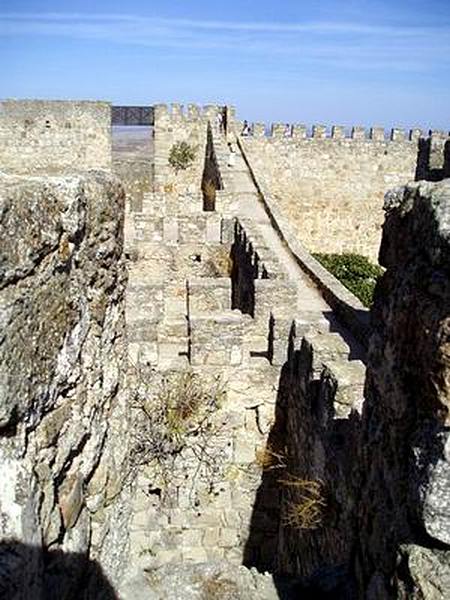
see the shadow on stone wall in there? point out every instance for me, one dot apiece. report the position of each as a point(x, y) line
point(244, 271)
point(433, 160)
point(304, 402)
point(33, 573)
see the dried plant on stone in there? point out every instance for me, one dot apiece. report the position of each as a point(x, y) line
point(269, 459)
point(209, 194)
point(306, 508)
point(174, 417)
point(220, 263)
point(218, 588)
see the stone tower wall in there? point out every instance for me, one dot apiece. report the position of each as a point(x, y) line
point(54, 137)
point(176, 124)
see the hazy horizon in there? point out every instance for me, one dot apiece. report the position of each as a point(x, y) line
point(370, 62)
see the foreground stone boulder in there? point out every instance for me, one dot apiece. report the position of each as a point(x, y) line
point(405, 448)
point(62, 357)
point(212, 581)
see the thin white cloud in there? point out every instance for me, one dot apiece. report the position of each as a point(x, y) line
point(250, 26)
point(352, 45)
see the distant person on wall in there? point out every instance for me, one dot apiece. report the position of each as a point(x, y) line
point(220, 121)
point(231, 156)
point(224, 119)
point(287, 130)
point(245, 129)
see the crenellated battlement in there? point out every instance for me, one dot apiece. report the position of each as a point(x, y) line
point(298, 131)
point(192, 112)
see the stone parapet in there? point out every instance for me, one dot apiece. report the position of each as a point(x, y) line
point(208, 296)
point(54, 137)
point(217, 340)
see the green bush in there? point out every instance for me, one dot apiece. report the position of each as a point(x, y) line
point(354, 271)
point(181, 156)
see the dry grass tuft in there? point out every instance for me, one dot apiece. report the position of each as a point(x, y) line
point(209, 195)
point(306, 510)
point(216, 588)
point(220, 264)
point(268, 459)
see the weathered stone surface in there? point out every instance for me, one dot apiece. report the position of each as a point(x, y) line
point(430, 475)
point(62, 357)
point(425, 573)
point(324, 185)
point(50, 138)
point(404, 448)
point(209, 580)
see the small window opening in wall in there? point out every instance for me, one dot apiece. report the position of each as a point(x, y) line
point(47, 124)
point(68, 125)
point(196, 258)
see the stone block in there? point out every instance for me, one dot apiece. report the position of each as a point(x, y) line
point(213, 229)
point(271, 294)
point(148, 229)
point(338, 132)
point(377, 134)
point(358, 133)
point(144, 301)
point(192, 229)
point(192, 538)
point(228, 537)
point(175, 301)
point(217, 340)
point(170, 230)
point(209, 295)
point(258, 129)
point(211, 537)
point(194, 555)
point(299, 131)
point(319, 132)
point(244, 449)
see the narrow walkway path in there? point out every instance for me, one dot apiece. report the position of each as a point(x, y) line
point(310, 301)
point(250, 206)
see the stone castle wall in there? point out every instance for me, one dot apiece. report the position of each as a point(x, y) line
point(403, 515)
point(53, 137)
point(370, 449)
point(175, 124)
point(212, 295)
point(63, 414)
point(331, 188)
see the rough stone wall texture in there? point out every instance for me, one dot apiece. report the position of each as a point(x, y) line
point(173, 125)
point(54, 137)
point(332, 189)
point(62, 355)
point(202, 511)
point(434, 157)
point(405, 439)
point(310, 457)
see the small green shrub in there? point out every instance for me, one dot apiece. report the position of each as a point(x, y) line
point(354, 271)
point(181, 156)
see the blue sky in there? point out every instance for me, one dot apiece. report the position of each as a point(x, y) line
point(370, 62)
